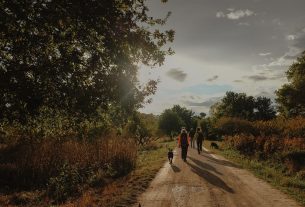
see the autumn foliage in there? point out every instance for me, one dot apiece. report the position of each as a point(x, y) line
point(279, 127)
point(65, 167)
point(280, 140)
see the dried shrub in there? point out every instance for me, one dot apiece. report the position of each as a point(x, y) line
point(232, 126)
point(293, 127)
point(295, 161)
point(64, 165)
point(292, 150)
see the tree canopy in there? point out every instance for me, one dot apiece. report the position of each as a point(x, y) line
point(185, 115)
point(171, 120)
point(291, 96)
point(76, 55)
point(242, 106)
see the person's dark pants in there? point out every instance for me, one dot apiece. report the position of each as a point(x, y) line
point(199, 146)
point(192, 142)
point(184, 152)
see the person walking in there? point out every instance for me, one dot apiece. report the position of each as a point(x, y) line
point(191, 135)
point(199, 139)
point(183, 143)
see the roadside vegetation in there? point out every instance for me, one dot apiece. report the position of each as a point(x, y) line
point(70, 95)
point(38, 170)
point(124, 191)
point(274, 150)
point(271, 145)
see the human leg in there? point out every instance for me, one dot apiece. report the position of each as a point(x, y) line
point(200, 146)
point(184, 153)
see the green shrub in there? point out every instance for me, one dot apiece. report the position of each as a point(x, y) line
point(119, 166)
point(294, 161)
point(232, 126)
point(96, 178)
point(301, 175)
point(64, 185)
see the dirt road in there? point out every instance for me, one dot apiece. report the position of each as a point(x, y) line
point(210, 180)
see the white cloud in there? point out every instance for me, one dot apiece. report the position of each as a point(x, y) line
point(264, 54)
point(240, 14)
point(235, 14)
point(290, 37)
point(286, 59)
point(220, 14)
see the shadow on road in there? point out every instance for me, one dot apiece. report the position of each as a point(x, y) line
point(210, 177)
point(175, 168)
point(220, 162)
point(205, 165)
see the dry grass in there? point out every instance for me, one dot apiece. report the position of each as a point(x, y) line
point(63, 168)
point(99, 167)
point(280, 127)
point(124, 191)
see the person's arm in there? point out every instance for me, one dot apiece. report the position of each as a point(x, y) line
point(179, 141)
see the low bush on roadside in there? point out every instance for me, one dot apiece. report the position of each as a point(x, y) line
point(291, 151)
point(293, 127)
point(232, 126)
point(279, 127)
point(295, 161)
point(63, 166)
point(65, 184)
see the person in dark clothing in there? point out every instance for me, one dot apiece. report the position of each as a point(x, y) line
point(199, 139)
point(183, 142)
point(170, 155)
point(191, 135)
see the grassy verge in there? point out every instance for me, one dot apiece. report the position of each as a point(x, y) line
point(124, 191)
point(275, 174)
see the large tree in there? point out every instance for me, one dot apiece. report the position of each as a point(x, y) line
point(236, 105)
point(186, 115)
point(242, 106)
point(170, 122)
point(264, 109)
point(76, 55)
point(291, 96)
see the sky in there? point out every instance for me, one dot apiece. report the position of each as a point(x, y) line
point(225, 45)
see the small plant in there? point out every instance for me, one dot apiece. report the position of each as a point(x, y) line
point(295, 161)
point(65, 185)
point(301, 175)
point(96, 178)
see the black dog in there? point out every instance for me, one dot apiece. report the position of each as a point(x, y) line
point(214, 145)
point(170, 155)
